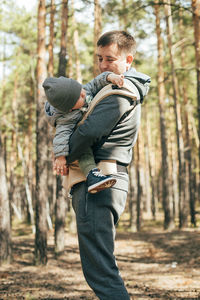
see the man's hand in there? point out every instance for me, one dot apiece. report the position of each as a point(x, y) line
point(60, 166)
point(116, 79)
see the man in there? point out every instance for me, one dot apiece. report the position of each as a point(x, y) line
point(112, 133)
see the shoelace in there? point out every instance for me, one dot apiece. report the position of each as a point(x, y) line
point(98, 174)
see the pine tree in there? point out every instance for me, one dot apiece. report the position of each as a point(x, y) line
point(5, 228)
point(41, 145)
point(167, 206)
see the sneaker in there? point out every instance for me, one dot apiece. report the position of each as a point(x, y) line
point(97, 181)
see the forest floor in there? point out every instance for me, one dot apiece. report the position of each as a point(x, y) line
point(154, 265)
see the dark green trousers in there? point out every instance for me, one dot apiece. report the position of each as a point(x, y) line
point(96, 216)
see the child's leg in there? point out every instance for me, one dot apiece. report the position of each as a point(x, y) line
point(87, 162)
point(96, 181)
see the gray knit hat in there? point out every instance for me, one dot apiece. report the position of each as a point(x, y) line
point(62, 93)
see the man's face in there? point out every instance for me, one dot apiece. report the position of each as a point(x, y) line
point(110, 58)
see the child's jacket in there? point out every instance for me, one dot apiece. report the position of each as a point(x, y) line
point(66, 123)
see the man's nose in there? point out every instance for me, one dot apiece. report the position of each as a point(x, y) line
point(104, 65)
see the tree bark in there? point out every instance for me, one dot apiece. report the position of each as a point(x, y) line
point(60, 213)
point(132, 197)
point(41, 145)
point(60, 210)
point(75, 44)
point(5, 228)
point(97, 32)
point(124, 16)
point(14, 154)
point(148, 166)
point(196, 21)
point(139, 187)
point(63, 42)
point(51, 178)
point(51, 39)
point(190, 196)
point(28, 144)
point(183, 205)
point(27, 188)
point(168, 212)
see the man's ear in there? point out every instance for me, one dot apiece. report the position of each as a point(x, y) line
point(129, 59)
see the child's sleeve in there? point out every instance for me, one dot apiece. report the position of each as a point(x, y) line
point(95, 85)
point(61, 139)
point(65, 126)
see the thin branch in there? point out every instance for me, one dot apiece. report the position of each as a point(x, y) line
point(152, 3)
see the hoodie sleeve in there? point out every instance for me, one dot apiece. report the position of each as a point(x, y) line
point(95, 85)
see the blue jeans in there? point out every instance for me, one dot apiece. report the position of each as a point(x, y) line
point(96, 217)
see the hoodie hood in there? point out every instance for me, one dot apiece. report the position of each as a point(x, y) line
point(140, 80)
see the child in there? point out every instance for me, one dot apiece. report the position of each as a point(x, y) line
point(68, 102)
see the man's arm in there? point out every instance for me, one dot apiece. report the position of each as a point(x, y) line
point(99, 123)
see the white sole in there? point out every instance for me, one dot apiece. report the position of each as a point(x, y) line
point(100, 186)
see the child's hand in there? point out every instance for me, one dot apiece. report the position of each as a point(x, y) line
point(116, 79)
point(60, 166)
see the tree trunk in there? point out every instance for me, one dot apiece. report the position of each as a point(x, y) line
point(51, 178)
point(124, 16)
point(51, 39)
point(188, 153)
point(183, 205)
point(50, 175)
point(5, 230)
point(13, 154)
point(174, 176)
point(28, 144)
point(63, 42)
point(41, 145)
point(151, 167)
point(70, 71)
point(97, 32)
point(148, 167)
point(60, 213)
point(75, 44)
point(168, 212)
point(132, 197)
point(196, 21)
point(60, 199)
point(27, 188)
point(139, 187)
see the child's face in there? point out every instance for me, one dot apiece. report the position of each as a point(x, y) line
point(81, 100)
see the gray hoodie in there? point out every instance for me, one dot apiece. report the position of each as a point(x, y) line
point(107, 130)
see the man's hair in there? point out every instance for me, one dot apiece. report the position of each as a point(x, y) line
point(123, 39)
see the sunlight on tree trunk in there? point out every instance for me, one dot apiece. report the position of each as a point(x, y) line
point(97, 32)
point(63, 43)
point(76, 44)
point(190, 196)
point(139, 187)
point(196, 21)
point(132, 196)
point(60, 207)
point(183, 205)
point(5, 230)
point(167, 206)
point(41, 144)
point(51, 39)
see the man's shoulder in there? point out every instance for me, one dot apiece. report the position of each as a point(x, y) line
point(141, 77)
